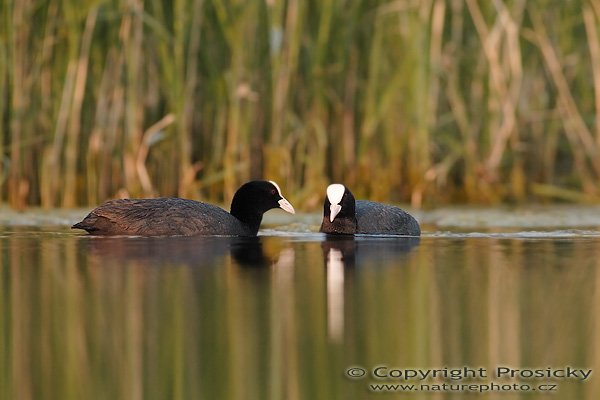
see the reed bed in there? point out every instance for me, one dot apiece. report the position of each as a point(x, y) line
point(426, 102)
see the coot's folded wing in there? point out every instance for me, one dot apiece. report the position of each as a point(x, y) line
point(378, 218)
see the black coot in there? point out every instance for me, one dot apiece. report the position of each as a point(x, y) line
point(175, 216)
point(342, 214)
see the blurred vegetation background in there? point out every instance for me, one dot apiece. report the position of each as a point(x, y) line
point(424, 101)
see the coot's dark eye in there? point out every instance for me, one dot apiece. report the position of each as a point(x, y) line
point(273, 192)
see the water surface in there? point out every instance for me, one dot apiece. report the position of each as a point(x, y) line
point(291, 314)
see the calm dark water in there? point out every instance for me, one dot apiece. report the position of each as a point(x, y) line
point(290, 316)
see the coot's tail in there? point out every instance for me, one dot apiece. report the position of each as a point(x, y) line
point(79, 225)
point(84, 226)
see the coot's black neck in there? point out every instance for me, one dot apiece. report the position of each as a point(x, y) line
point(247, 214)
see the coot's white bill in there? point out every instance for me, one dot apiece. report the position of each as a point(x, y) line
point(286, 206)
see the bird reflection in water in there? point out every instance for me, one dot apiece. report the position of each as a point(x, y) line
point(192, 251)
point(342, 253)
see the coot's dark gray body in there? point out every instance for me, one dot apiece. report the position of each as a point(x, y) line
point(171, 216)
point(343, 215)
point(377, 218)
point(166, 216)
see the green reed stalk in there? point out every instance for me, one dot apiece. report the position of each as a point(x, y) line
point(192, 53)
point(133, 36)
point(590, 12)
point(4, 88)
point(72, 146)
point(18, 40)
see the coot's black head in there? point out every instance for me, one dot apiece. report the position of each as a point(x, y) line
point(339, 211)
point(254, 198)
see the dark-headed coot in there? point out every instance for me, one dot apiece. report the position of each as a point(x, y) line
point(342, 214)
point(174, 216)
